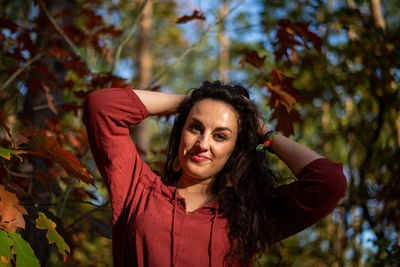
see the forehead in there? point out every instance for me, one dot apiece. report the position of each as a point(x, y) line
point(214, 112)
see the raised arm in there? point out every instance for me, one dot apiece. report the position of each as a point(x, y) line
point(320, 185)
point(295, 155)
point(158, 103)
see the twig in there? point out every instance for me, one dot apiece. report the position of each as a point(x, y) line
point(65, 197)
point(21, 69)
point(86, 214)
point(189, 49)
point(58, 27)
point(128, 36)
point(18, 174)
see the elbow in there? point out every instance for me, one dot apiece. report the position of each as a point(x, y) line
point(92, 106)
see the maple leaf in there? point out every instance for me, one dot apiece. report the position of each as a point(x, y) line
point(47, 147)
point(195, 15)
point(278, 96)
point(283, 96)
point(285, 119)
point(50, 98)
point(289, 36)
point(252, 58)
point(52, 235)
point(11, 211)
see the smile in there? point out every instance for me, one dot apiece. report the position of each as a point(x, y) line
point(198, 157)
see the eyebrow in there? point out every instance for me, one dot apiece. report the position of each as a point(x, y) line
point(216, 129)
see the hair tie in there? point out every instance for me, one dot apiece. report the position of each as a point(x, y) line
point(267, 143)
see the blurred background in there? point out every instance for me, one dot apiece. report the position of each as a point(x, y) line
point(324, 72)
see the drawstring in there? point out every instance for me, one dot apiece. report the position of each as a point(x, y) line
point(173, 231)
point(211, 236)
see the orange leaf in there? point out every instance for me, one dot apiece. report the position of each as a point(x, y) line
point(50, 98)
point(11, 211)
point(279, 96)
point(47, 147)
point(252, 58)
point(196, 15)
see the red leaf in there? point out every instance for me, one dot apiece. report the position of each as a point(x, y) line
point(252, 58)
point(50, 98)
point(285, 119)
point(21, 139)
point(110, 30)
point(195, 15)
point(289, 37)
point(58, 52)
point(47, 147)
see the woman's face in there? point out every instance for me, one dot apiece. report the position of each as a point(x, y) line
point(208, 139)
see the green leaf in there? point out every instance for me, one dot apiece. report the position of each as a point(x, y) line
point(23, 251)
point(52, 235)
point(6, 153)
point(5, 249)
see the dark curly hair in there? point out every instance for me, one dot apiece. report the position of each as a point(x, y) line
point(244, 187)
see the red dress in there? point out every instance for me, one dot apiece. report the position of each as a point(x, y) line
point(150, 225)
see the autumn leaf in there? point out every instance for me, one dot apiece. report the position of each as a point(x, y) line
point(52, 235)
point(196, 15)
point(23, 251)
point(278, 96)
point(252, 58)
point(6, 153)
point(285, 119)
point(292, 35)
point(50, 98)
point(47, 147)
point(44, 177)
point(11, 211)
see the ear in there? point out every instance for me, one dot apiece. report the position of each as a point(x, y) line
point(176, 165)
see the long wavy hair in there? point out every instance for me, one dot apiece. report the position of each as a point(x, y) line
point(244, 187)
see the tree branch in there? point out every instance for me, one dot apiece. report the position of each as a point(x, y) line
point(18, 174)
point(189, 49)
point(58, 27)
point(128, 36)
point(21, 69)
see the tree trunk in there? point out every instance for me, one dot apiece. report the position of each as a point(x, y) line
point(376, 10)
point(142, 137)
point(223, 40)
point(37, 97)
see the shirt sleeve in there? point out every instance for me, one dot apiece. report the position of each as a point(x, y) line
point(107, 115)
point(320, 186)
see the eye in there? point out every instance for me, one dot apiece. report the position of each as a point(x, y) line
point(220, 137)
point(194, 128)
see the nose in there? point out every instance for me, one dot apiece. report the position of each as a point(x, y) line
point(202, 142)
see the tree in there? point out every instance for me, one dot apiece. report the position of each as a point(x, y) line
point(326, 72)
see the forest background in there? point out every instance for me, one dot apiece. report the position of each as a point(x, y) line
point(324, 72)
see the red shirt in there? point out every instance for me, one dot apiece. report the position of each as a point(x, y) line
point(150, 224)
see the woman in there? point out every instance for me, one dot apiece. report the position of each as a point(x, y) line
point(215, 204)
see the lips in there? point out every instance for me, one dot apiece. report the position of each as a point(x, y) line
point(198, 157)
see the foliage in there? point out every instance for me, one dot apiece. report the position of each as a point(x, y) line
point(324, 73)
